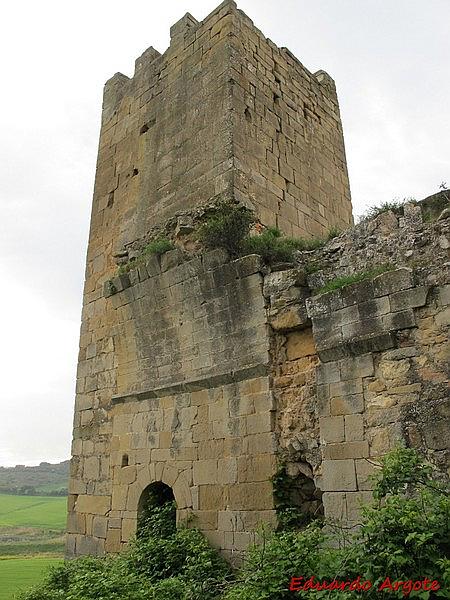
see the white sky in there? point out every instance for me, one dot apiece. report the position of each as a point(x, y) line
point(389, 58)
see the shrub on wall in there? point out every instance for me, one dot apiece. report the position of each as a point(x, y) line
point(273, 247)
point(227, 227)
point(157, 247)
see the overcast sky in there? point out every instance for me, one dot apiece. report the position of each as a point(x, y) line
point(390, 60)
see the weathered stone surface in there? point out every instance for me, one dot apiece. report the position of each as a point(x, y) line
point(412, 298)
point(335, 505)
point(354, 428)
point(171, 259)
point(332, 429)
point(355, 502)
point(338, 475)
point(205, 372)
point(289, 318)
point(100, 527)
point(300, 344)
point(365, 470)
point(346, 450)
point(97, 505)
point(392, 281)
point(347, 405)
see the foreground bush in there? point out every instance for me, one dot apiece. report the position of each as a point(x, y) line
point(404, 535)
point(163, 563)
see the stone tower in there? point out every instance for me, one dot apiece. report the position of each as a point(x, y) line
point(175, 380)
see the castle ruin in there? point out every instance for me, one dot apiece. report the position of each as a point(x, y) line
point(209, 376)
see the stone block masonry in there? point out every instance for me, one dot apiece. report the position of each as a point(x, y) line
point(173, 380)
point(223, 113)
point(375, 358)
point(192, 408)
point(211, 375)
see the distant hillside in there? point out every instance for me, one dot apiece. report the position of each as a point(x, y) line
point(45, 479)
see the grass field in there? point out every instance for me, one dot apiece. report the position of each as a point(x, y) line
point(20, 573)
point(29, 526)
point(33, 511)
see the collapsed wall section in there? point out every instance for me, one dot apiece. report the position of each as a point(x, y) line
point(364, 368)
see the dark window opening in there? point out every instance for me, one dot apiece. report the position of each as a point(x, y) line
point(125, 460)
point(298, 500)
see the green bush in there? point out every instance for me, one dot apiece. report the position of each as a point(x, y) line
point(158, 246)
point(162, 563)
point(271, 564)
point(404, 535)
point(157, 520)
point(434, 205)
point(273, 247)
point(226, 227)
point(406, 531)
point(395, 206)
point(290, 516)
point(333, 232)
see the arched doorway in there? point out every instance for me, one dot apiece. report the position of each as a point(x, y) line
point(156, 509)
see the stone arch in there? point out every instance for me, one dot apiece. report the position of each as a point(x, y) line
point(164, 473)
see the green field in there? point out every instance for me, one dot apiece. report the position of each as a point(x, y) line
point(19, 573)
point(31, 538)
point(33, 511)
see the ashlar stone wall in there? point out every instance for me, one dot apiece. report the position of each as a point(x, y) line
point(192, 405)
point(288, 142)
point(173, 367)
point(223, 113)
point(210, 374)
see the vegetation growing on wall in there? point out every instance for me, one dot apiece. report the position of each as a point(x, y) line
point(404, 535)
point(341, 282)
point(292, 507)
point(395, 206)
point(273, 247)
point(433, 206)
point(228, 227)
point(156, 247)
